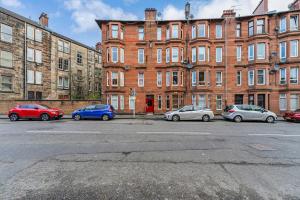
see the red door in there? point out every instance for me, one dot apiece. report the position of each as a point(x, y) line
point(150, 104)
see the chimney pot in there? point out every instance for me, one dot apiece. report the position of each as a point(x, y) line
point(44, 19)
point(150, 14)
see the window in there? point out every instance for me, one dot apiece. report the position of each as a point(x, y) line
point(194, 54)
point(201, 30)
point(60, 83)
point(122, 33)
point(251, 77)
point(114, 78)
point(238, 30)
point(174, 31)
point(239, 53)
point(261, 77)
point(132, 102)
point(219, 105)
point(193, 32)
point(30, 32)
point(122, 79)
point(282, 76)
point(282, 51)
point(282, 102)
point(159, 102)
point(38, 56)
point(60, 63)
point(66, 83)
point(114, 31)
point(181, 55)
point(251, 52)
point(294, 23)
point(38, 35)
point(168, 33)
point(175, 78)
point(167, 55)
point(201, 78)
point(30, 76)
point(122, 102)
point(5, 83)
point(219, 78)
point(159, 79)
point(107, 78)
point(114, 54)
point(251, 28)
point(218, 31)
point(202, 101)
point(175, 104)
point(168, 102)
point(168, 79)
point(38, 78)
point(60, 46)
point(194, 78)
point(175, 55)
point(208, 54)
point(294, 102)
point(141, 33)
point(66, 47)
point(107, 55)
point(159, 55)
point(282, 26)
point(294, 75)
point(158, 33)
point(201, 53)
point(115, 101)
point(260, 26)
point(6, 59)
point(261, 51)
point(30, 55)
point(141, 79)
point(66, 65)
point(219, 54)
point(194, 102)
point(141, 56)
point(6, 33)
point(239, 78)
point(181, 78)
point(122, 55)
point(294, 48)
point(79, 58)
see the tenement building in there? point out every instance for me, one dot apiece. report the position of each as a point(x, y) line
point(38, 63)
point(155, 65)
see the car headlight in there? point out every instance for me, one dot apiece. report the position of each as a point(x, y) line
point(53, 112)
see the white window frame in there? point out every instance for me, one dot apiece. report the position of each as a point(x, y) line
point(175, 32)
point(239, 78)
point(122, 56)
point(282, 76)
point(159, 102)
point(282, 26)
point(158, 33)
point(38, 35)
point(251, 77)
point(114, 52)
point(173, 72)
point(194, 54)
point(167, 55)
point(30, 54)
point(38, 78)
point(141, 32)
point(114, 101)
point(115, 32)
point(294, 98)
point(294, 52)
point(201, 50)
point(296, 80)
point(114, 76)
point(281, 46)
point(219, 100)
point(261, 55)
point(239, 53)
point(219, 58)
point(168, 79)
point(220, 81)
point(131, 100)
point(122, 79)
point(194, 31)
point(159, 55)
point(194, 78)
point(282, 105)
point(292, 28)
point(159, 79)
point(251, 52)
point(175, 54)
point(141, 56)
point(30, 76)
point(219, 31)
point(263, 75)
point(6, 59)
point(6, 36)
point(141, 81)
point(122, 102)
point(38, 56)
point(30, 32)
point(201, 30)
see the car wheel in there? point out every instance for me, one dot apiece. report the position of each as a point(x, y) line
point(270, 119)
point(175, 118)
point(13, 117)
point(206, 118)
point(237, 119)
point(45, 117)
point(77, 117)
point(105, 117)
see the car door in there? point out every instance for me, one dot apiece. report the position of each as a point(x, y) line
point(197, 113)
point(186, 113)
point(98, 111)
point(29, 111)
point(88, 112)
point(257, 113)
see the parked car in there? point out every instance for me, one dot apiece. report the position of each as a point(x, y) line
point(99, 111)
point(34, 111)
point(240, 113)
point(292, 116)
point(190, 112)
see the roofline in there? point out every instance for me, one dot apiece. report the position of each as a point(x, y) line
point(34, 23)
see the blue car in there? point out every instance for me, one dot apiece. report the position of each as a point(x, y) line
point(99, 111)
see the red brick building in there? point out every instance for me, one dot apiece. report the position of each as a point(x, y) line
point(207, 62)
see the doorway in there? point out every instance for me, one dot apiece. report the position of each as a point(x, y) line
point(150, 104)
point(261, 100)
point(239, 99)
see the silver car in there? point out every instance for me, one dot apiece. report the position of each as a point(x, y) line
point(190, 112)
point(240, 113)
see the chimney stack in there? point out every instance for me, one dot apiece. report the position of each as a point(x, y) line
point(150, 14)
point(99, 46)
point(228, 13)
point(44, 19)
point(295, 5)
point(262, 8)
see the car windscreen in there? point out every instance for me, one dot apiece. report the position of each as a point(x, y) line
point(228, 108)
point(42, 107)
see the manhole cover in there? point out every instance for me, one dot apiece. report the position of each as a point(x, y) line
point(262, 147)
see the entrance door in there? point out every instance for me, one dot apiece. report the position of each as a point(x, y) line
point(261, 100)
point(150, 104)
point(239, 99)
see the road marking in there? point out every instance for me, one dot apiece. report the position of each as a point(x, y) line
point(176, 133)
point(277, 135)
point(58, 132)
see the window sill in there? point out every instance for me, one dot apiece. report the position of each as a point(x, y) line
point(2, 91)
point(7, 67)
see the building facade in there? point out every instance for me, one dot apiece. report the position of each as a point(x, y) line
point(206, 62)
point(37, 63)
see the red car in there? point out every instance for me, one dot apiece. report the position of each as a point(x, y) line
point(34, 111)
point(292, 116)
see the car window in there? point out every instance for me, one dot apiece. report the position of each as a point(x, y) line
point(187, 108)
point(92, 107)
point(23, 106)
point(256, 108)
point(246, 107)
point(100, 107)
point(228, 108)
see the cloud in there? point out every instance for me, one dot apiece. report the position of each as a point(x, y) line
point(130, 1)
point(11, 3)
point(84, 13)
point(172, 13)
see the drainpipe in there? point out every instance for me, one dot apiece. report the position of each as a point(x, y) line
point(226, 63)
point(25, 64)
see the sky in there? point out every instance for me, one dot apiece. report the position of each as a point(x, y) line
point(76, 18)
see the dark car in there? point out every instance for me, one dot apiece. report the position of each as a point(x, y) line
point(34, 111)
point(292, 116)
point(99, 111)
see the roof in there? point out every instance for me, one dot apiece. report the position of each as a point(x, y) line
point(34, 23)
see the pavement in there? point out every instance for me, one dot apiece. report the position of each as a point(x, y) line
point(149, 159)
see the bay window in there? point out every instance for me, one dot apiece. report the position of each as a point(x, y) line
point(114, 54)
point(282, 50)
point(168, 79)
point(294, 102)
point(115, 101)
point(175, 54)
point(294, 47)
point(201, 53)
point(239, 53)
point(202, 101)
point(294, 23)
point(194, 54)
point(175, 78)
point(251, 28)
point(201, 78)
point(167, 55)
point(175, 31)
point(194, 78)
point(260, 26)
point(282, 25)
point(122, 79)
point(261, 51)
point(114, 79)
point(114, 31)
point(251, 52)
point(122, 56)
point(201, 30)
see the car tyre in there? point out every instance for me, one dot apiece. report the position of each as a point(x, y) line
point(45, 117)
point(105, 117)
point(175, 118)
point(270, 119)
point(77, 117)
point(237, 119)
point(206, 118)
point(14, 117)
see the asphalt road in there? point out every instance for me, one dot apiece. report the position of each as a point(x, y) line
point(137, 159)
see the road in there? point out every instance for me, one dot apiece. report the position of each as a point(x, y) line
point(145, 159)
